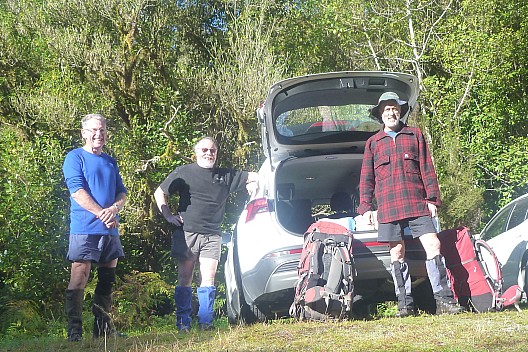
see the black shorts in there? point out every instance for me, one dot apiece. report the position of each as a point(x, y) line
point(393, 231)
point(190, 245)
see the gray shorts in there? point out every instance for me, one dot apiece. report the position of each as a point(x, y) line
point(393, 231)
point(191, 245)
point(95, 248)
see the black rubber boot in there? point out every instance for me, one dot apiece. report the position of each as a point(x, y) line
point(402, 288)
point(445, 301)
point(103, 325)
point(74, 306)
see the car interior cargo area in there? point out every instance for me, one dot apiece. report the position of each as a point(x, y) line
point(304, 187)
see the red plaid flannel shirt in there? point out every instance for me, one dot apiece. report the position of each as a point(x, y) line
point(401, 175)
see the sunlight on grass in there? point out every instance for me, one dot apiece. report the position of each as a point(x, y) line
point(504, 331)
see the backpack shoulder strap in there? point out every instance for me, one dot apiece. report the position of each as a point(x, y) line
point(340, 269)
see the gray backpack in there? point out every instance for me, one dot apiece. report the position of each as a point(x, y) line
point(325, 285)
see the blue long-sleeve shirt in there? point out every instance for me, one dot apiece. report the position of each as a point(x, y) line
point(99, 176)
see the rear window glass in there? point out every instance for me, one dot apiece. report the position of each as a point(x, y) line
point(321, 120)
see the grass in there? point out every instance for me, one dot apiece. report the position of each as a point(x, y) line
point(503, 331)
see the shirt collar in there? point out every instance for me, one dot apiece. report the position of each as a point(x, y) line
point(382, 134)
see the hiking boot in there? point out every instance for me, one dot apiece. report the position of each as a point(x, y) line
point(448, 306)
point(405, 312)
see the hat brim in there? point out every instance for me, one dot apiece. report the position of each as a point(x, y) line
point(404, 106)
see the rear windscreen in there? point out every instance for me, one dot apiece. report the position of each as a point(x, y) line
point(319, 120)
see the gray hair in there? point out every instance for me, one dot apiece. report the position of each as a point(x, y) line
point(206, 138)
point(88, 117)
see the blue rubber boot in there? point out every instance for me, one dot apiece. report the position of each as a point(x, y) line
point(206, 297)
point(183, 299)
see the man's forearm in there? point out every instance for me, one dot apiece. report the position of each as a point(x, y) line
point(86, 201)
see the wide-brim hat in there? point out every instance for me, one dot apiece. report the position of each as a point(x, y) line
point(389, 96)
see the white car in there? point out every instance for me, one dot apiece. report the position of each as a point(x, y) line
point(314, 129)
point(507, 235)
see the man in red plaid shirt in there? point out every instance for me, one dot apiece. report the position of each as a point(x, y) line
point(398, 170)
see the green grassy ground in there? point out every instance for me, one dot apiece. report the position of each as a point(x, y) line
point(504, 331)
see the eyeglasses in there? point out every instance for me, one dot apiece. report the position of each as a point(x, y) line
point(95, 130)
point(211, 150)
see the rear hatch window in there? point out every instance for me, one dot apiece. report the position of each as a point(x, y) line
point(327, 112)
point(324, 124)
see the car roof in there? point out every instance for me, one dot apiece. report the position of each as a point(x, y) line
point(327, 112)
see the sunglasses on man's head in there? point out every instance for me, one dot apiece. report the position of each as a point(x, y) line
point(204, 150)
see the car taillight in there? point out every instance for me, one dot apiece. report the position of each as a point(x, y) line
point(284, 252)
point(256, 206)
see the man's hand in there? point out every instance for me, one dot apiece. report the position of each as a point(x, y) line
point(432, 209)
point(108, 216)
point(114, 223)
point(252, 184)
point(252, 188)
point(369, 215)
point(175, 219)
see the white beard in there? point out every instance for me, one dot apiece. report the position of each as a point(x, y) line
point(206, 164)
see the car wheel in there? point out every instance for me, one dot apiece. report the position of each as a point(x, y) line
point(524, 272)
point(525, 280)
point(232, 313)
point(258, 316)
point(249, 314)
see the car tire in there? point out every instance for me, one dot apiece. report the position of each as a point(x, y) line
point(258, 316)
point(249, 314)
point(232, 314)
point(525, 280)
point(524, 271)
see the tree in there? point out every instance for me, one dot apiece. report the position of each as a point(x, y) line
point(477, 77)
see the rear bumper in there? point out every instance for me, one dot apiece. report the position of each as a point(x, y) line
point(273, 278)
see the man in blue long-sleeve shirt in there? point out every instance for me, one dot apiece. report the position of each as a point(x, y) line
point(97, 194)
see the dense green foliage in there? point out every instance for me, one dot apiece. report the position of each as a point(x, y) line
point(167, 72)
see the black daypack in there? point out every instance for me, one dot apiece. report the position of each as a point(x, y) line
point(325, 285)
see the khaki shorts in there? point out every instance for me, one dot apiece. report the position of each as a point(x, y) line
point(191, 245)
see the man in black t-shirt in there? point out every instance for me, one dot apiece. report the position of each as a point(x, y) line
point(203, 190)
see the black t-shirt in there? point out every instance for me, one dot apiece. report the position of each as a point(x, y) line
point(203, 194)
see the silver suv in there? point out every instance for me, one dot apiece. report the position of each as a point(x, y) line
point(314, 130)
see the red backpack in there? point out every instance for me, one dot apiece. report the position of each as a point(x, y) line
point(325, 285)
point(475, 273)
